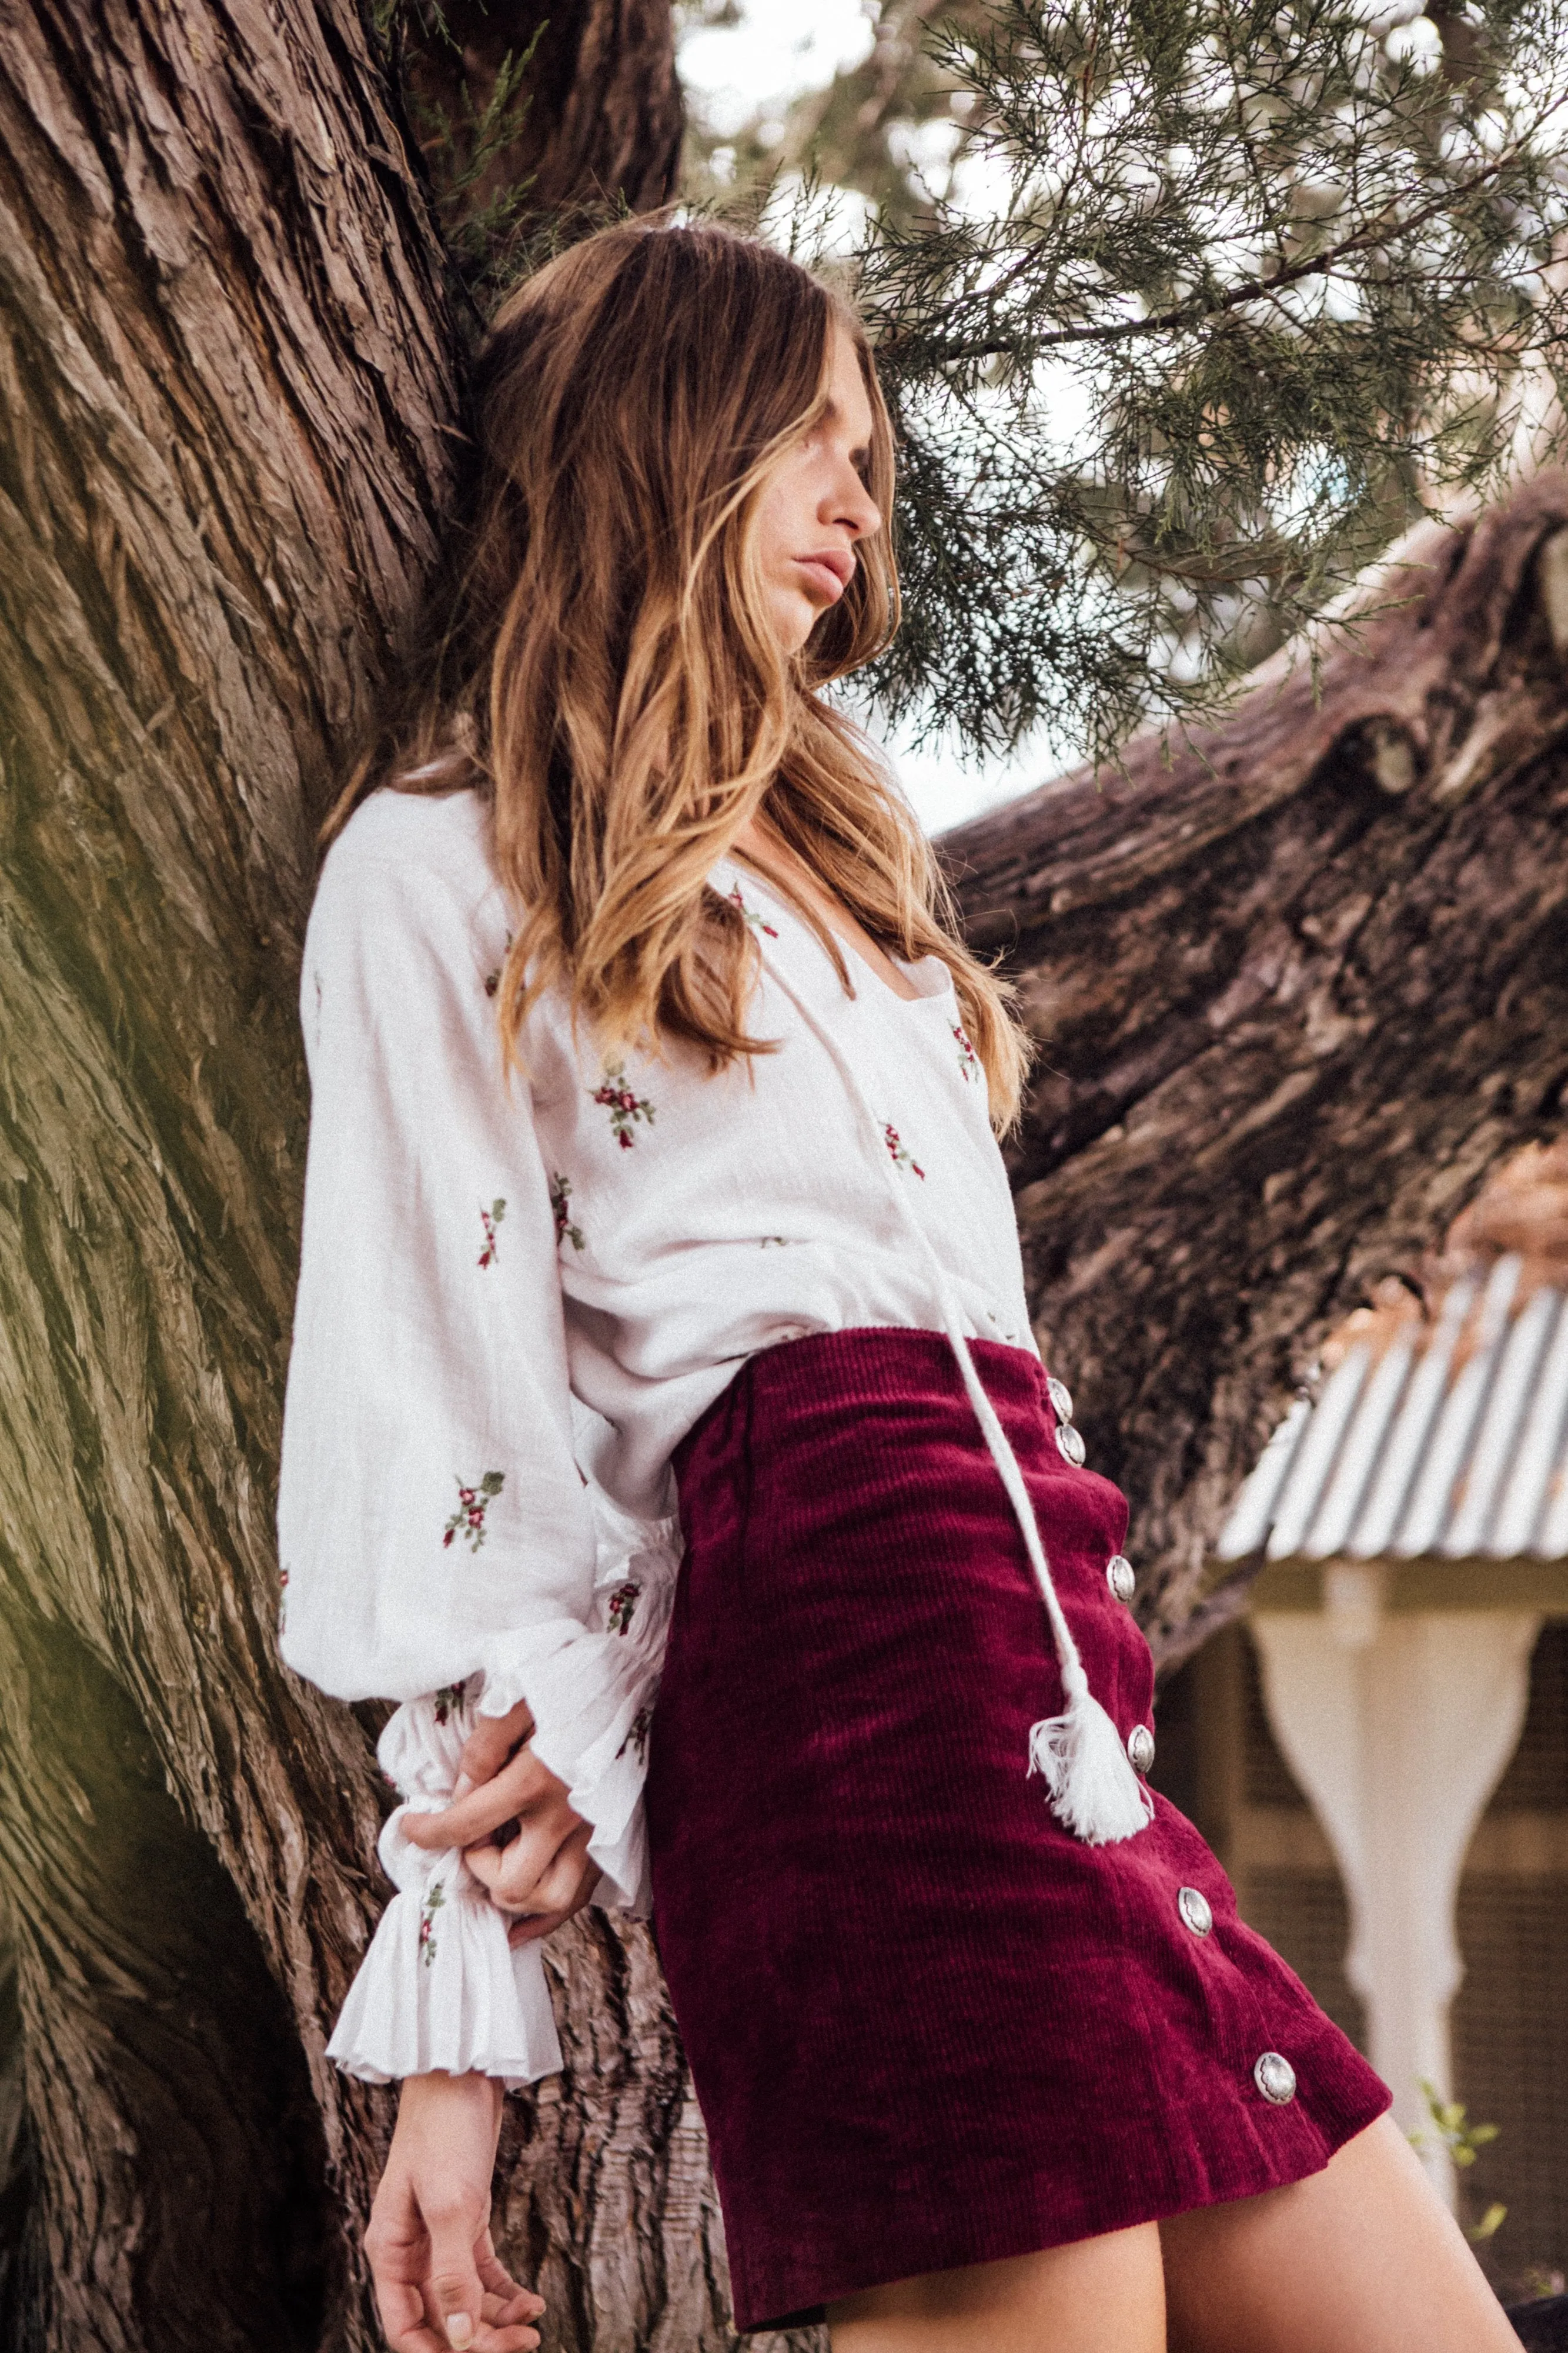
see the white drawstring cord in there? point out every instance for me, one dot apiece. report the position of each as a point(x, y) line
point(1094, 1791)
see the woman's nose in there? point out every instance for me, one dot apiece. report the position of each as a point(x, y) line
point(854, 508)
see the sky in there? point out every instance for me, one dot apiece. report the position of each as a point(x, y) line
point(777, 50)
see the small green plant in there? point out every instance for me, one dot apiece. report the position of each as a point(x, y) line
point(468, 117)
point(1464, 2141)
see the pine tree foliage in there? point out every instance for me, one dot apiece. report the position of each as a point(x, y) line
point(1230, 284)
point(883, 128)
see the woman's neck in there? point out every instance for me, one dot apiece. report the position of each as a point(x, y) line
point(761, 846)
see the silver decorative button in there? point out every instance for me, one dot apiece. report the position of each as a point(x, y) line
point(1070, 1445)
point(1275, 2078)
point(1060, 1396)
point(1121, 1576)
point(1194, 1906)
point(1141, 1748)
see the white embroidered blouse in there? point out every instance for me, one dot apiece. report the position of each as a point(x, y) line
point(516, 1298)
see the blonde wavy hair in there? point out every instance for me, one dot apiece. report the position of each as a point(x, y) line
point(596, 655)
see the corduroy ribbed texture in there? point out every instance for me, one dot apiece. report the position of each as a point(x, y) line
point(927, 2026)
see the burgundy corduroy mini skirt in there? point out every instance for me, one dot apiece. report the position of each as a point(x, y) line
point(927, 2026)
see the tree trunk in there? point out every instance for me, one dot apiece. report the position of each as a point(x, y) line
point(229, 378)
point(1298, 989)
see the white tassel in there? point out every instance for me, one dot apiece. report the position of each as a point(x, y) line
point(1094, 1791)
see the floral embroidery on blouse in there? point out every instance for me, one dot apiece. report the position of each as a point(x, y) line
point(623, 1602)
point(566, 1229)
point(637, 1736)
point(753, 921)
point(493, 979)
point(968, 1060)
point(902, 1156)
point(451, 1700)
point(427, 1911)
point(468, 1520)
point(624, 1107)
point(491, 1218)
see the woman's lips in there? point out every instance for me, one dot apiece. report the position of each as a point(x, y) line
point(830, 572)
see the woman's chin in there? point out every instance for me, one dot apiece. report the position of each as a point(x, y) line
point(794, 617)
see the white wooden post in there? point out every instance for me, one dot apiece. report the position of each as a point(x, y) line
point(1398, 1726)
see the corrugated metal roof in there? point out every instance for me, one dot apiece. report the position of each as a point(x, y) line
point(1447, 1440)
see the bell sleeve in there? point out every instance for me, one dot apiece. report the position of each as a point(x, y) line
point(439, 1544)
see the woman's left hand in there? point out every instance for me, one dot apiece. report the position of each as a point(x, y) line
point(518, 1833)
point(534, 1907)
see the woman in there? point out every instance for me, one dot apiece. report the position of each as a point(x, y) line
point(653, 1203)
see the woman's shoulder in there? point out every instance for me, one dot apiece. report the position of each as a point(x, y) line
point(423, 857)
point(444, 833)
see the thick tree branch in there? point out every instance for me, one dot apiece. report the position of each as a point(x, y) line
point(1299, 987)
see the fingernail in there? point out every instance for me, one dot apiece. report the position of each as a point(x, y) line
point(459, 2332)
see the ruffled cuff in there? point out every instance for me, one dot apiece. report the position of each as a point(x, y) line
point(592, 1689)
point(440, 1987)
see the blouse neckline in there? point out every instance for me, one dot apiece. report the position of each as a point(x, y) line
point(930, 976)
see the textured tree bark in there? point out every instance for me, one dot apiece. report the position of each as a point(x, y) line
point(228, 378)
point(1298, 989)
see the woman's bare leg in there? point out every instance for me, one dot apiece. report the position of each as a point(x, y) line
point(1099, 2295)
point(1361, 2258)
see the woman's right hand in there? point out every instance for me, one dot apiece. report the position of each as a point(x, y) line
point(438, 2282)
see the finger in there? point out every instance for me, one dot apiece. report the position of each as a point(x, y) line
point(401, 2310)
point(510, 2311)
point(517, 1789)
point(529, 1859)
point(396, 2248)
point(533, 1927)
point(492, 1741)
point(453, 2294)
point(559, 1882)
point(501, 2288)
point(521, 1850)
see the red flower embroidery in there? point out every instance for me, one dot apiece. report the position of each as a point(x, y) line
point(427, 1911)
point(753, 921)
point(637, 1736)
point(493, 979)
point(491, 1218)
point(968, 1060)
point(468, 1520)
point(450, 1700)
point(902, 1156)
point(623, 1601)
point(565, 1231)
point(624, 1107)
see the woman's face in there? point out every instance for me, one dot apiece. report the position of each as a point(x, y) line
point(815, 506)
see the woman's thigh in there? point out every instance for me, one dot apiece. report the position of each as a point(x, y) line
point(1099, 2295)
point(1360, 2258)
